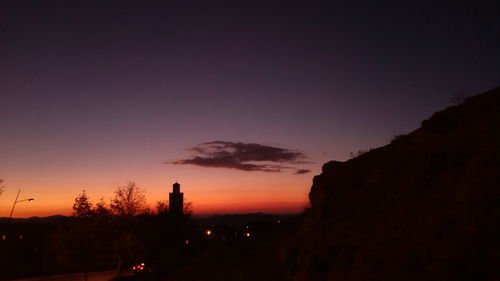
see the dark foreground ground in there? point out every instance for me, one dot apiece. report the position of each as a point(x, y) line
point(222, 257)
point(253, 259)
point(93, 276)
point(239, 247)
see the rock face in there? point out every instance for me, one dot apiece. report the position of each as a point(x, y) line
point(424, 207)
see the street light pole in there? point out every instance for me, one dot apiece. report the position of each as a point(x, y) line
point(17, 201)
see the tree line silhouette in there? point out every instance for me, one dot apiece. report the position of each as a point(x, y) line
point(117, 235)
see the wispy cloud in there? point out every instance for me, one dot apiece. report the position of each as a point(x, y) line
point(244, 157)
point(302, 171)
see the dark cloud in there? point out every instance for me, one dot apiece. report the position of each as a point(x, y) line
point(243, 156)
point(302, 171)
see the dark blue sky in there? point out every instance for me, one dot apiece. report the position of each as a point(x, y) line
point(127, 85)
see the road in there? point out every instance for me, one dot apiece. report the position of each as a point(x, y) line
point(92, 276)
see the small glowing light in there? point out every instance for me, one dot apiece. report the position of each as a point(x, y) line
point(138, 267)
point(247, 234)
point(4, 237)
point(208, 232)
point(20, 237)
point(186, 242)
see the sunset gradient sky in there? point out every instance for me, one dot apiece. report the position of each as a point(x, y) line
point(97, 93)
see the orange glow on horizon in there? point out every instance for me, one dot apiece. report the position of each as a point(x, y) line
point(202, 202)
point(197, 209)
point(211, 191)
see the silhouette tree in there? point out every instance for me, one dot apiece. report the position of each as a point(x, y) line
point(69, 244)
point(358, 153)
point(84, 231)
point(187, 208)
point(82, 208)
point(84, 241)
point(162, 207)
point(101, 210)
point(129, 200)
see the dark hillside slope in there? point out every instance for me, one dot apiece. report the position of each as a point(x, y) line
point(425, 207)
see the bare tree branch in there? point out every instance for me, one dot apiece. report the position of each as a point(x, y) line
point(129, 200)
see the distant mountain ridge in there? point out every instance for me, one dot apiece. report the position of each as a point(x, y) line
point(34, 219)
point(230, 219)
point(424, 207)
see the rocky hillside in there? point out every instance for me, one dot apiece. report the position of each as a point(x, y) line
point(424, 207)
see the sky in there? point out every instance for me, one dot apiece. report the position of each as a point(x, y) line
point(241, 102)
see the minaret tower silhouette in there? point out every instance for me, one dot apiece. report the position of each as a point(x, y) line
point(176, 200)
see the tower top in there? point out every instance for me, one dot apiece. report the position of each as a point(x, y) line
point(176, 200)
point(177, 187)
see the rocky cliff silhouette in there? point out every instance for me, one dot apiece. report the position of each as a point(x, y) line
point(424, 207)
